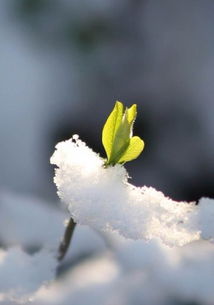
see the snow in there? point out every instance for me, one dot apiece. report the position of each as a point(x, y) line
point(90, 282)
point(22, 274)
point(138, 224)
point(129, 272)
point(30, 231)
point(138, 272)
point(23, 222)
point(102, 198)
point(183, 273)
point(206, 217)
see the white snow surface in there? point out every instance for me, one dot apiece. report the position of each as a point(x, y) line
point(138, 272)
point(22, 274)
point(23, 223)
point(104, 199)
point(30, 225)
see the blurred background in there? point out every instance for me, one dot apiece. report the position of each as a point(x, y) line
point(65, 62)
point(63, 65)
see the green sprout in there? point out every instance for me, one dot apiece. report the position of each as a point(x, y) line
point(117, 139)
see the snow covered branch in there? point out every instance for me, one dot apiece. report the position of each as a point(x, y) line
point(104, 199)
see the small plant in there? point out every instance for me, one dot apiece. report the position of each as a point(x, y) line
point(117, 139)
point(120, 147)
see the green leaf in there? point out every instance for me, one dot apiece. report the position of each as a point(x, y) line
point(111, 126)
point(121, 140)
point(134, 149)
point(117, 138)
point(132, 113)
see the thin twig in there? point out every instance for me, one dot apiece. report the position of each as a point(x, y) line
point(63, 247)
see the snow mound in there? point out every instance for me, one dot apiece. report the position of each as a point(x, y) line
point(103, 199)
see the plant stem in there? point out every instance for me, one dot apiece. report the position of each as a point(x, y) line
point(64, 244)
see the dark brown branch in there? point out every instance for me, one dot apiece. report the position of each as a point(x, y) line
point(64, 245)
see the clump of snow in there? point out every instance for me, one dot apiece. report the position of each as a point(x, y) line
point(103, 199)
point(22, 274)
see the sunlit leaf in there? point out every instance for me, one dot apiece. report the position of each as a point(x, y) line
point(117, 138)
point(111, 126)
point(134, 149)
point(121, 140)
point(132, 113)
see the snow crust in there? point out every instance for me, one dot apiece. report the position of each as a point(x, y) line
point(104, 199)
